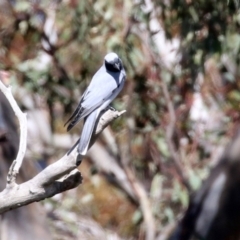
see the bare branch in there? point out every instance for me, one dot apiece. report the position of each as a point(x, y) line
point(170, 134)
point(48, 183)
point(22, 117)
point(145, 204)
point(111, 167)
point(31, 191)
point(108, 115)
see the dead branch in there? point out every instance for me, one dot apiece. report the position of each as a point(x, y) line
point(56, 178)
point(144, 202)
point(17, 163)
point(112, 168)
point(138, 189)
point(170, 134)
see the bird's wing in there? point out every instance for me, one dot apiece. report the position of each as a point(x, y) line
point(100, 89)
point(77, 110)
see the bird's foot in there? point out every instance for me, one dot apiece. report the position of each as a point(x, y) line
point(112, 108)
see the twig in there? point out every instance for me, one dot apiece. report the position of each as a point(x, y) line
point(138, 189)
point(145, 204)
point(111, 167)
point(169, 136)
point(22, 117)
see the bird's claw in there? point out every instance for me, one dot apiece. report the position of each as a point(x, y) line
point(112, 108)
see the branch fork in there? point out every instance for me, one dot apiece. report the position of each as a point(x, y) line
point(58, 177)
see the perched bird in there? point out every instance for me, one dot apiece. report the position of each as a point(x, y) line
point(107, 82)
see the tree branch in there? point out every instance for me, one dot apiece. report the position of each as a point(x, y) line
point(47, 183)
point(170, 134)
point(17, 163)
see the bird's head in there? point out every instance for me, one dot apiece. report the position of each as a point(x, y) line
point(112, 62)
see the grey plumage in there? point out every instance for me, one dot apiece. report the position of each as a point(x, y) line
point(107, 82)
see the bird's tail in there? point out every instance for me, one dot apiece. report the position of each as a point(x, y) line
point(87, 131)
point(75, 144)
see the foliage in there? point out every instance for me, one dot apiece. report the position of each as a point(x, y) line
point(53, 50)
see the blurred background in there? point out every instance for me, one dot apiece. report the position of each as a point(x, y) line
point(161, 170)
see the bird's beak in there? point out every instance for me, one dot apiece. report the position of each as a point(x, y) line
point(117, 66)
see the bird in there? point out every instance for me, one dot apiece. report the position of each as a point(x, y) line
point(105, 85)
